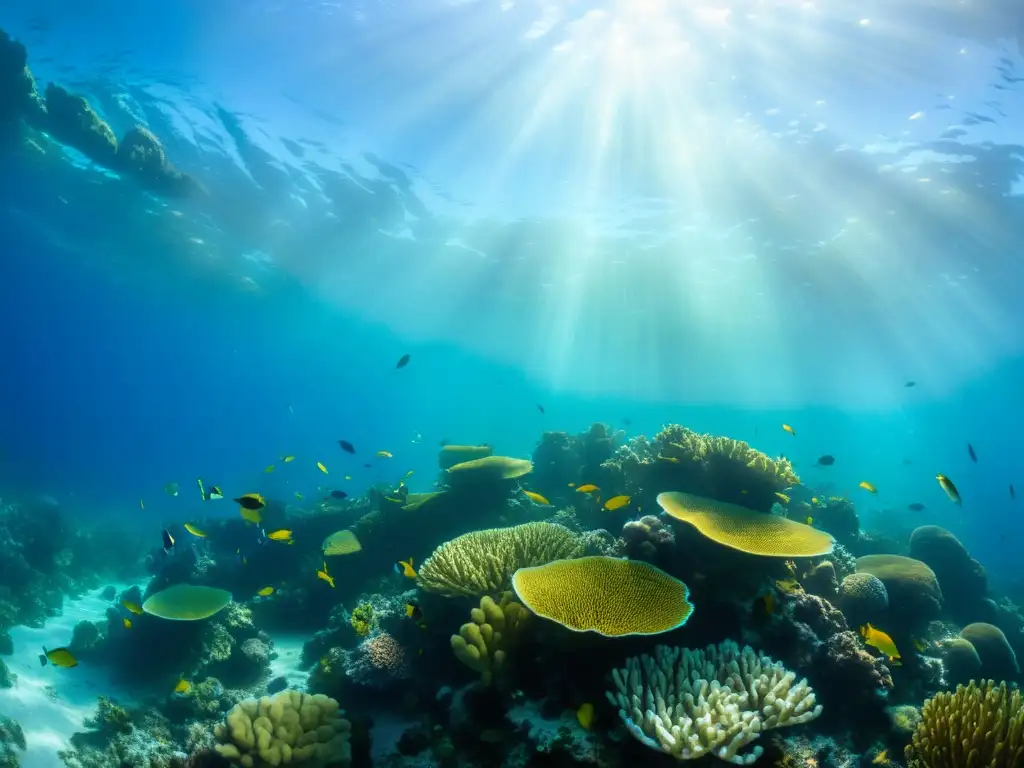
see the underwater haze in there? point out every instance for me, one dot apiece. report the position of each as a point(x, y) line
point(765, 254)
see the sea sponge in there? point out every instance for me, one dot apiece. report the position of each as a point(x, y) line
point(862, 598)
point(606, 595)
point(482, 645)
point(690, 703)
point(978, 726)
point(489, 468)
point(755, 533)
point(997, 657)
point(914, 594)
point(482, 562)
point(450, 455)
point(187, 602)
point(291, 727)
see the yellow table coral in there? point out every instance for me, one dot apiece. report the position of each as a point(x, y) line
point(482, 562)
point(690, 703)
point(607, 595)
point(482, 644)
point(291, 727)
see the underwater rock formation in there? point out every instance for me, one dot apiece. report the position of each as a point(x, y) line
point(12, 741)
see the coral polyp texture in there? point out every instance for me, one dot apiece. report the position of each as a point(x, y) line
point(482, 562)
point(607, 595)
point(746, 530)
point(977, 726)
point(482, 644)
point(291, 727)
point(717, 701)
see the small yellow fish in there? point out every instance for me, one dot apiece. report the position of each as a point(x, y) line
point(404, 568)
point(195, 530)
point(287, 459)
point(405, 477)
point(869, 487)
point(585, 716)
point(132, 606)
point(588, 488)
point(814, 500)
point(281, 534)
point(384, 454)
point(324, 576)
point(537, 498)
point(269, 468)
point(789, 429)
point(183, 686)
point(880, 640)
point(782, 497)
point(882, 758)
point(947, 485)
point(298, 496)
point(59, 657)
point(266, 592)
point(572, 485)
point(809, 521)
point(126, 622)
point(669, 459)
point(321, 467)
point(616, 502)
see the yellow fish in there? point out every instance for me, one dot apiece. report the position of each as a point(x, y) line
point(880, 640)
point(127, 623)
point(324, 576)
point(404, 568)
point(183, 686)
point(321, 467)
point(405, 477)
point(809, 521)
point(384, 454)
point(59, 657)
point(920, 646)
point(572, 485)
point(133, 607)
point(287, 459)
point(585, 716)
point(782, 497)
point(251, 501)
point(538, 498)
point(882, 758)
point(616, 502)
point(869, 487)
point(251, 515)
point(298, 496)
point(266, 592)
point(814, 500)
point(947, 485)
point(194, 530)
point(588, 488)
point(269, 468)
point(789, 429)
point(281, 534)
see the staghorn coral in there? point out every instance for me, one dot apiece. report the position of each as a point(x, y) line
point(482, 644)
point(606, 595)
point(978, 726)
point(690, 703)
point(482, 562)
point(291, 727)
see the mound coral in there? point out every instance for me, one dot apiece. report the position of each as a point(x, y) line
point(961, 660)
point(482, 645)
point(962, 579)
point(482, 562)
point(186, 602)
point(690, 703)
point(978, 726)
point(746, 530)
point(450, 455)
point(862, 598)
point(291, 727)
point(914, 594)
point(606, 595)
point(997, 657)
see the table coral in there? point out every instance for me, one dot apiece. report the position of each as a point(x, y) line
point(482, 644)
point(690, 703)
point(291, 727)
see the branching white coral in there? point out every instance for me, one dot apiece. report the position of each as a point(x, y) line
point(716, 701)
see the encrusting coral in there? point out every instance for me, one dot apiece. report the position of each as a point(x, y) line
point(690, 703)
point(482, 644)
point(291, 727)
point(607, 595)
point(482, 562)
point(977, 726)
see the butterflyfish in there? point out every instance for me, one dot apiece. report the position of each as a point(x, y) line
point(413, 612)
point(537, 498)
point(168, 541)
point(212, 493)
point(876, 638)
point(251, 501)
point(321, 467)
point(59, 657)
point(588, 488)
point(183, 686)
point(585, 716)
point(789, 429)
point(947, 485)
point(266, 592)
point(404, 568)
point(869, 487)
point(616, 502)
point(384, 454)
point(195, 530)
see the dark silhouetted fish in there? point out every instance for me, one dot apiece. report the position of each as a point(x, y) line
point(346, 446)
point(916, 507)
point(826, 460)
point(403, 361)
point(627, 421)
point(540, 408)
point(338, 495)
point(971, 453)
point(910, 384)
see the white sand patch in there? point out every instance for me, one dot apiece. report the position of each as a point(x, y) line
point(50, 718)
point(289, 657)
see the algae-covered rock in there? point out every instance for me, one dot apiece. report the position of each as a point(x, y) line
point(74, 122)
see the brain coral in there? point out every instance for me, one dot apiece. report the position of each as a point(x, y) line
point(978, 726)
point(291, 727)
point(606, 595)
point(482, 562)
point(691, 703)
point(862, 598)
point(914, 594)
point(755, 533)
point(997, 657)
point(185, 602)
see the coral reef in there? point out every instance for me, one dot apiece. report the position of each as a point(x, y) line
point(913, 589)
point(648, 538)
point(997, 657)
point(717, 701)
point(862, 598)
point(961, 578)
point(483, 643)
point(119, 737)
point(12, 741)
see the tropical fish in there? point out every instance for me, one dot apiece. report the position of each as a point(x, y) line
point(826, 460)
point(880, 640)
point(537, 498)
point(253, 501)
point(250, 515)
point(789, 429)
point(183, 686)
point(814, 500)
point(413, 612)
point(59, 657)
point(298, 496)
point(403, 361)
point(195, 530)
point(910, 384)
point(882, 758)
point(920, 646)
point(287, 459)
point(916, 507)
point(541, 408)
point(405, 477)
point(869, 487)
point(782, 497)
point(809, 520)
point(132, 606)
point(585, 716)
point(404, 568)
point(971, 453)
point(269, 468)
point(348, 477)
point(208, 494)
point(168, 541)
point(321, 467)
point(266, 592)
point(171, 489)
point(384, 454)
point(281, 534)
point(588, 488)
point(669, 459)
point(346, 446)
point(338, 495)
point(616, 502)
point(324, 576)
point(947, 485)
